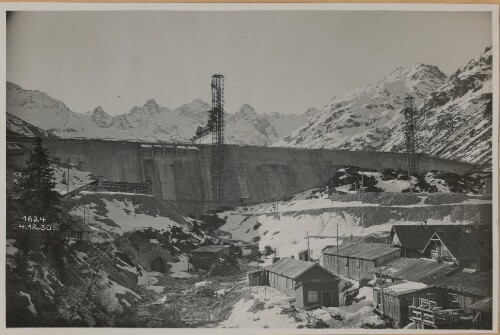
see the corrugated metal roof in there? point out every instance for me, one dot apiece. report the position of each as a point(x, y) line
point(412, 269)
point(293, 268)
point(477, 283)
point(402, 287)
point(211, 248)
point(484, 305)
point(368, 251)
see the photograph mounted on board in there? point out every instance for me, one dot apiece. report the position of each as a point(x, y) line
point(307, 169)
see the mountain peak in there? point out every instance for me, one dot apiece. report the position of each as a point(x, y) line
point(246, 109)
point(152, 103)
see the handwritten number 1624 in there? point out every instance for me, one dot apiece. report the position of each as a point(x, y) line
point(33, 219)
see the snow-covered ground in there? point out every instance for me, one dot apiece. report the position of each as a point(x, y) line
point(178, 269)
point(123, 214)
point(77, 178)
point(267, 316)
point(285, 225)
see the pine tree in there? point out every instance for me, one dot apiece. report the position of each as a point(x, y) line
point(37, 184)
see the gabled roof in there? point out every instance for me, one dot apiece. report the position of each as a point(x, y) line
point(413, 237)
point(368, 251)
point(211, 248)
point(76, 225)
point(412, 269)
point(477, 283)
point(462, 245)
point(293, 268)
point(416, 237)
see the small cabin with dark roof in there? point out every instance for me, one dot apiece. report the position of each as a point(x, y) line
point(410, 238)
point(463, 248)
point(75, 229)
point(463, 287)
point(413, 239)
point(392, 300)
point(204, 257)
point(311, 284)
point(356, 260)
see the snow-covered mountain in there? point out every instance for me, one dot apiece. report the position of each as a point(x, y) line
point(18, 127)
point(149, 122)
point(453, 120)
point(247, 127)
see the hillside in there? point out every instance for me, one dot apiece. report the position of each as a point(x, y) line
point(18, 127)
point(284, 225)
point(453, 121)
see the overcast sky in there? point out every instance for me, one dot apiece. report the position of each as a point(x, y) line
point(274, 61)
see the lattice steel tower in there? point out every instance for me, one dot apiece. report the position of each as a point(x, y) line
point(409, 112)
point(217, 168)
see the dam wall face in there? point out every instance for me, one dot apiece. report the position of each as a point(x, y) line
point(181, 173)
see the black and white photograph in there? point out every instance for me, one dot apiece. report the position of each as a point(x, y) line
point(272, 168)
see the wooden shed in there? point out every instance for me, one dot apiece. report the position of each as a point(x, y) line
point(462, 288)
point(412, 239)
point(392, 300)
point(311, 284)
point(356, 260)
point(76, 229)
point(257, 278)
point(203, 257)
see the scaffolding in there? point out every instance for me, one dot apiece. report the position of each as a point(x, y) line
point(217, 119)
point(409, 113)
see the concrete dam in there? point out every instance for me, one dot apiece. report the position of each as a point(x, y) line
point(180, 173)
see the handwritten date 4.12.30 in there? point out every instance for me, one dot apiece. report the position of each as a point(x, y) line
point(35, 223)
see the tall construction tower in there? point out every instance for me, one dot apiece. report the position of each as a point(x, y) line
point(217, 117)
point(409, 112)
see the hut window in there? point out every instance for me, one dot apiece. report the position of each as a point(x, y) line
point(358, 264)
point(390, 298)
point(312, 296)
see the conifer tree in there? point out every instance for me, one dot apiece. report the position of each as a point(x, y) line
point(37, 184)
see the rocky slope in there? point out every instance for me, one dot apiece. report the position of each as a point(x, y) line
point(149, 122)
point(453, 114)
point(18, 127)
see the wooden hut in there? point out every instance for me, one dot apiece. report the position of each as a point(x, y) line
point(257, 278)
point(460, 247)
point(311, 284)
point(204, 256)
point(392, 300)
point(356, 260)
point(462, 288)
point(76, 229)
point(412, 239)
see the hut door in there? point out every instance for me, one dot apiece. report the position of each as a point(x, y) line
point(326, 299)
point(158, 265)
